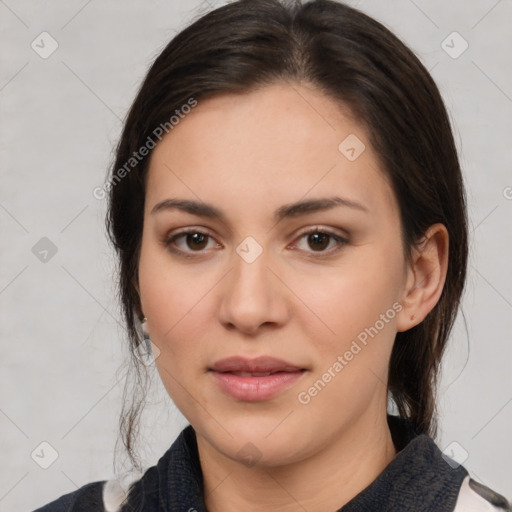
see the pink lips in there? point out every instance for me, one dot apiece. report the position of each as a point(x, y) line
point(254, 379)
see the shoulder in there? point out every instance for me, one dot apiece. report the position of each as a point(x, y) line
point(100, 496)
point(476, 497)
point(135, 489)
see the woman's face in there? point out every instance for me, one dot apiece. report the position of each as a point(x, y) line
point(316, 312)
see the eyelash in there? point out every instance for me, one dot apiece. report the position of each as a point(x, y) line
point(341, 241)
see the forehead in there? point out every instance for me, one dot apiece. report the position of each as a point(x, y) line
point(273, 145)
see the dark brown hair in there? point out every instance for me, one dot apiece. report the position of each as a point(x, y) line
point(358, 63)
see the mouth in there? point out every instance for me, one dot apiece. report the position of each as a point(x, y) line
point(258, 367)
point(254, 379)
point(258, 374)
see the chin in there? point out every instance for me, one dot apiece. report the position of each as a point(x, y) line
point(264, 441)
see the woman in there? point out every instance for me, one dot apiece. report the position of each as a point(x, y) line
point(289, 214)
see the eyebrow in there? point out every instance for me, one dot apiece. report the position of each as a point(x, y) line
point(286, 211)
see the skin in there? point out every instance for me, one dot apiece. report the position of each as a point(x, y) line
point(248, 155)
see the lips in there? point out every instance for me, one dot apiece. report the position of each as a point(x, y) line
point(254, 379)
point(261, 366)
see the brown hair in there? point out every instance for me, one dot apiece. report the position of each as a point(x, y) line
point(357, 62)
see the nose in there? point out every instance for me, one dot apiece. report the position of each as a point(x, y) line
point(253, 296)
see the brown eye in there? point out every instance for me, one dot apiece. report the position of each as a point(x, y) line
point(188, 242)
point(318, 241)
point(196, 241)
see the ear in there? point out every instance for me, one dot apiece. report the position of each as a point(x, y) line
point(426, 275)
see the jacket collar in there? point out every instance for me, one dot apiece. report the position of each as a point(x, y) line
point(418, 478)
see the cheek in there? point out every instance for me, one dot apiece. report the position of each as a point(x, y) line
point(169, 297)
point(175, 307)
point(353, 341)
point(350, 299)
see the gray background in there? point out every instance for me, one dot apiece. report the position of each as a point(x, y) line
point(62, 346)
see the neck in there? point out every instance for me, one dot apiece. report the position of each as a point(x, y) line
point(325, 481)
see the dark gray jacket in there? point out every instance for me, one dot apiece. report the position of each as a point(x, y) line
point(420, 479)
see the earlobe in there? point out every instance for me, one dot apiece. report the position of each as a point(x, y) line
point(426, 276)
